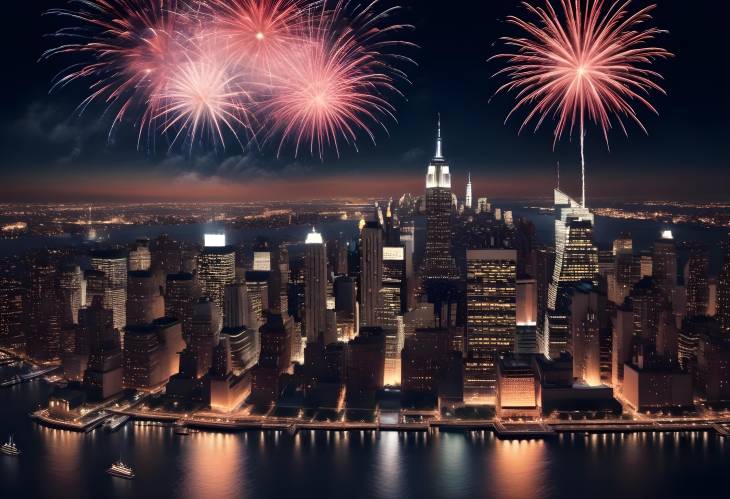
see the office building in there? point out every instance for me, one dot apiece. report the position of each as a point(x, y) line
point(491, 316)
point(181, 293)
point(113, 264)
point(315, 287)
point(723, 290)
point(140, 257)
point(150, 355)
point(145, 297)
point(206, 326)
point(365, 367)
point(216, 268)
point(103, 375)
point(664, 263)
point(371, 272)
point(696, 277)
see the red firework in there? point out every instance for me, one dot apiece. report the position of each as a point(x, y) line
point(590, 63)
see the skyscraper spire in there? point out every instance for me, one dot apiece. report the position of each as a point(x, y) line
point(468, 199)
point(439, 154)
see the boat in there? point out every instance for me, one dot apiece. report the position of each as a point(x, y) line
point(181, 429)
point(121, 470)
point(115, 422)
point(9, 448)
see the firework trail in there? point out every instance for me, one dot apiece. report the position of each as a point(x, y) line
point(131, 50)
point(320, 72)
point(590, 63)
point(336, 83)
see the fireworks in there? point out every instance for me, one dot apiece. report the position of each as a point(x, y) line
point(192, 70)
point(335, 82)
point(591, 63)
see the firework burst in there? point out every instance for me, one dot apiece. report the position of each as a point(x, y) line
point(335, 83)
point(131, 52)
point(591, 63)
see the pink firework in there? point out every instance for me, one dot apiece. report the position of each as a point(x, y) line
point(590, 63)
point(335, 84)
point(131, 48)
point(259, 33)
point(205, 97)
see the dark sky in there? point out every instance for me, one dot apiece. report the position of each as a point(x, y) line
point(48, 154)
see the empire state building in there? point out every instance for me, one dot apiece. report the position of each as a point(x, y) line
point(438, 261)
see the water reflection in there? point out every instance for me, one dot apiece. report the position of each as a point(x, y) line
point(518, 469)
point(62, 459)
point(213, 466)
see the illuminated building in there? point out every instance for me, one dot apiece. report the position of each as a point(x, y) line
point(73, 293)
point(365, 367)
point(664, 263)
point(236, 307)
point(315, 287)
point(257, 291)
point(181, 293)
point(389, 313)
point(408, 240)
point(145, 297)
point(656, 386)
point(140, 257)
point(103, 375)
point(371, 272)
point(576, 256)
point(526, 316)
point(438, 261)
point(713, 366)
point(345, 291)
point(11, 309)
point(723, 290)
point(150, 355)
point(516, 387)
point(647, 301)
point(584, 303)
point(468, 198)
point(621, 353)
point(576, 260)
point(625, 268)
point(225, 390)
point(216, 267)
point(244, 345)
point(696, 276)
point(491, 316)
point(43, 312)
point(205, 331)
point(543, 261)
point(113, 263)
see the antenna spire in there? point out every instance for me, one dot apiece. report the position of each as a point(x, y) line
point(439, 153)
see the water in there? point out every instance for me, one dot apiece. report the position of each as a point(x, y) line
point(60, 464)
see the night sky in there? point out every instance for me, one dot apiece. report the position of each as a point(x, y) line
point(50, 154)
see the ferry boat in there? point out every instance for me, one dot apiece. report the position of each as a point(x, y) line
point(121, 470)
point(9, 448)
point(115, 422)
point(181, 429)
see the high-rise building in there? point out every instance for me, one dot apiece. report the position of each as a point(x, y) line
point(72, 293)
point(113, 263)
point(315, 287)
point(216, 267)
point(181, 293)
point(236, 308)
point(623, 334)
point(257, 291)
point(576, 256)
point(696, 277)
point(371, 272)
point(145, 297)
point(43, 311)
point(664, 263)
point(626, 271)
point(11, 307)
point(392, 306)
point(365, 367)
point(723, 289)
point(526, 316)
point(468, 197)
point(438, 260)
point(140, 257)
point(205, 331)
point(275, 357)
point(150, 355)
point(491, 316)
point(103, 375)
point(425, 356)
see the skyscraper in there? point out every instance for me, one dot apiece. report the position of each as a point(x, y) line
point(103, 375)
point(392, 305)
point(468, 197)
point(113, 263)
point(315, 287)
point(205, 331)
point(664, 264)
point(11, 307)
point(43, 337)
point(145, 297)
point(181, 293)
point(371, 272)
point(696, 277)
point(140, 257)
point(438, 261)
point(723, 289)
point(576, 256)
point(216, 267)
point(491, 316)
point(73, 293)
